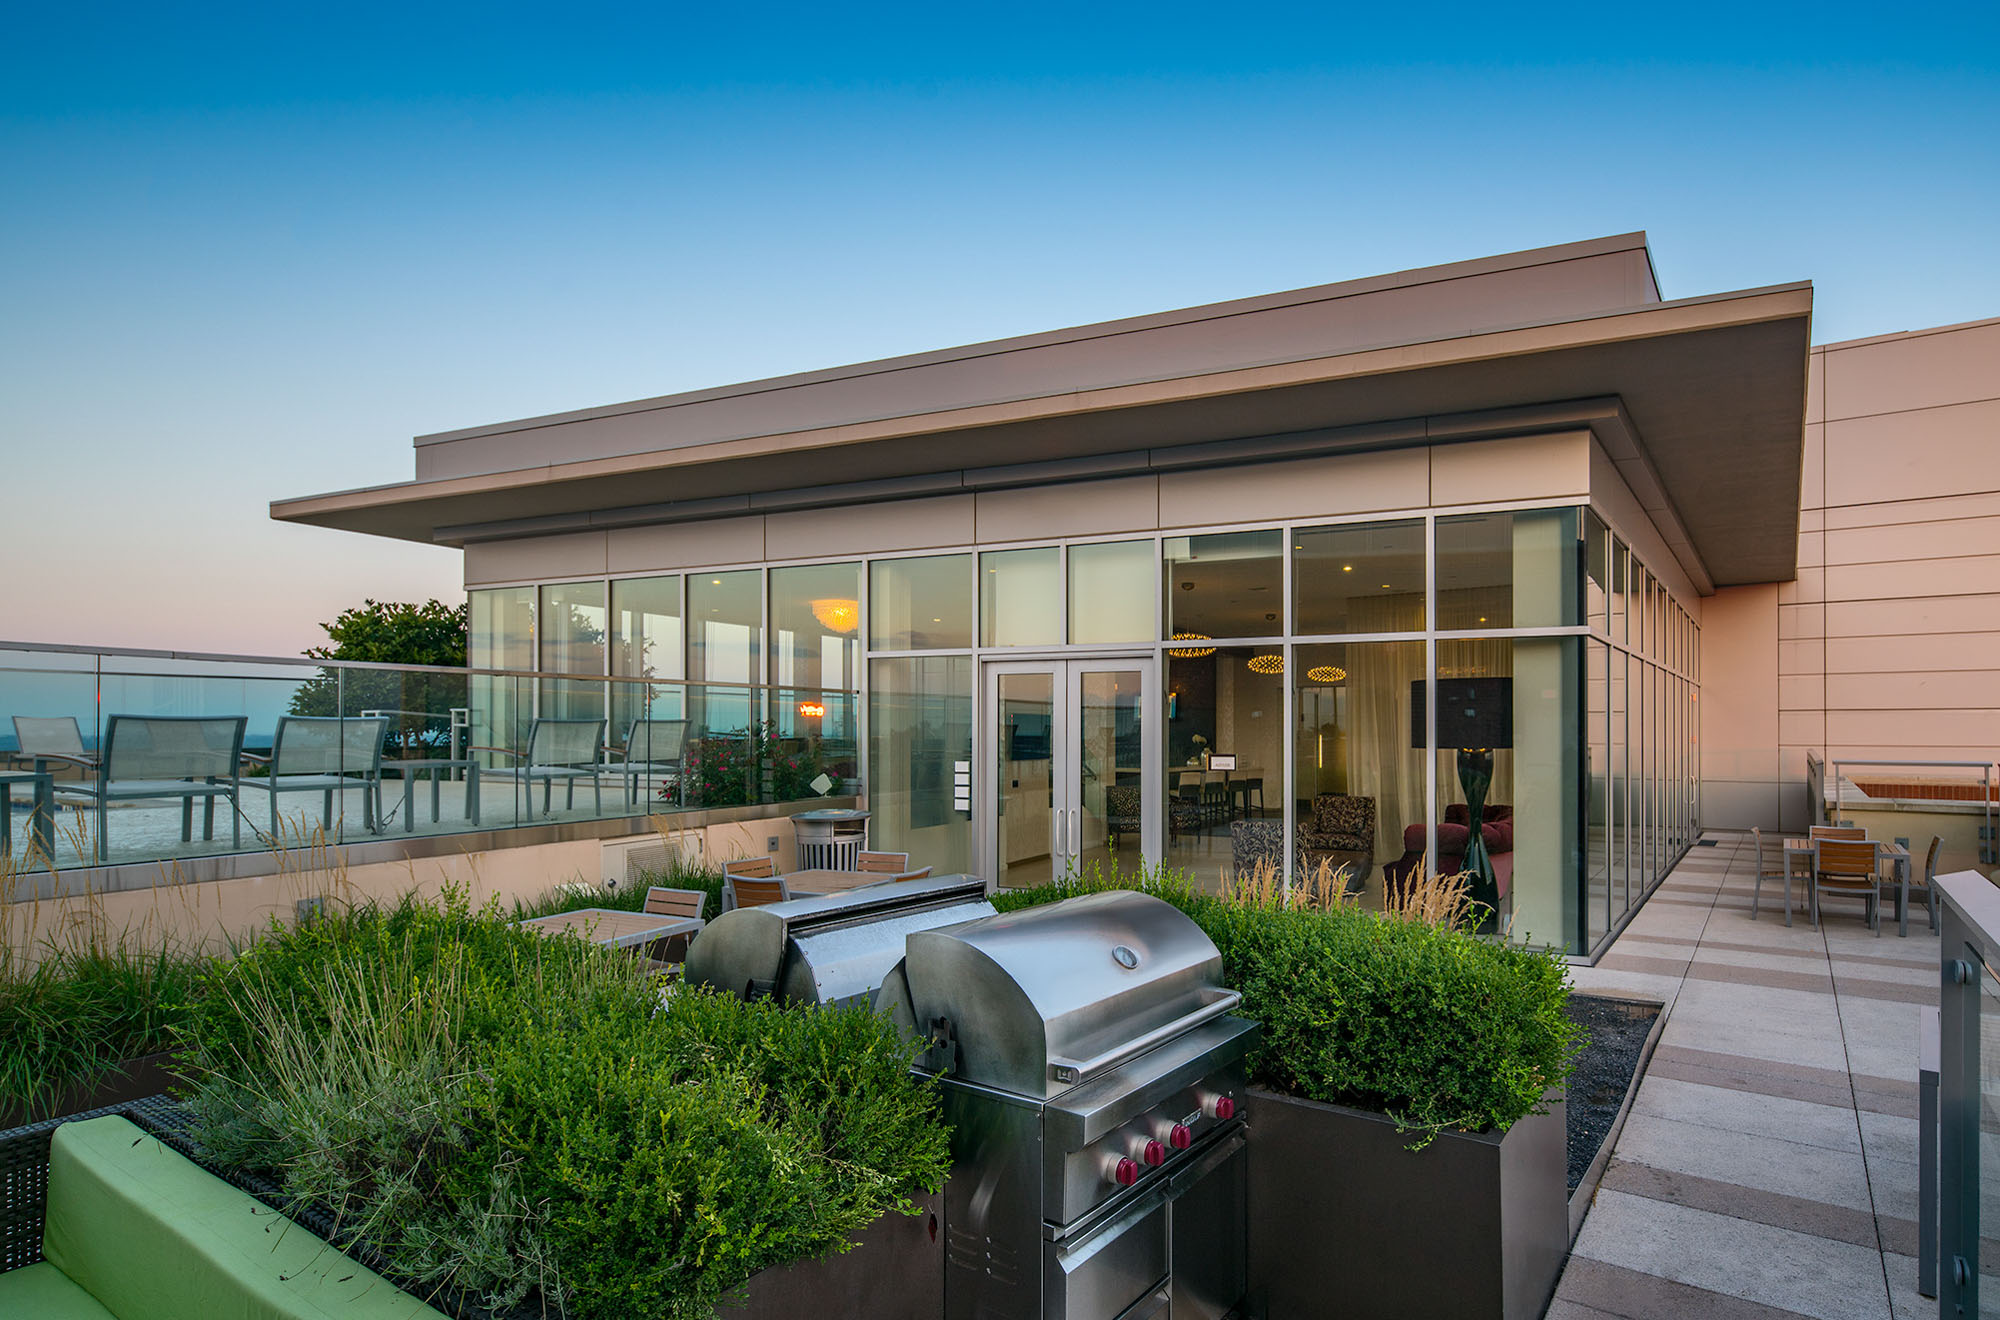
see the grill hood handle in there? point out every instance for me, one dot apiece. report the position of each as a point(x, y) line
point(1082, 1070)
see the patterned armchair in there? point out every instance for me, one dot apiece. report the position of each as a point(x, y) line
point(1342, 832)
point(1124, 810)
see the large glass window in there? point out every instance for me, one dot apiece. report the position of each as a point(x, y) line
point(1597, 572)
point(1112, 587)
point(1517, 569)
point(1362, 578)
point(1223, 702)
point(922, 604)
point(501, 635)
point(816, 626)
point(1358, 740)
point(1597, 760)
point(919, 742)
point(1229, 584)
point(646, 643)
point(1020, 594)
point(725, 626)
point(573, 641)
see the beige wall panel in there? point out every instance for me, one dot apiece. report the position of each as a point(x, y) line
point(1970, 576)
point(1617, 504)
point(1949, 538)
point(1529, 467)
point(870, 528)
point(1915, 371)
point(1801, 728)
point(1798, 622)
point(1739, 718)
point(1728, 804)
point(1809, 588)
point(1812, 477)
point(1816, 386)
point(1917, 731)
point(1801, 691)
point(1812, 550)
point(687, 545)
point(1303, 488)
point(1917, 651)
point(1977, 504)
point(1806, 657)
point(1960, 690)
point(1812, 520)
point(1085, 508)
point(1915, 614)
point(535, 559)
point(1907, 456)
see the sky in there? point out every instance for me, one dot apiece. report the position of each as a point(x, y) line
point(247, 252)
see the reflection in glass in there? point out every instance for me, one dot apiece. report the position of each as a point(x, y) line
point(1112, 587)
point(1019, 598)
point(1597, 572)
point(1024, 768)
point(816, 625)
point(1228, 584)
point(922, 604)
point(1515, 569)
point(725, 633)
point(646, 642)
point(1596, 751)
point(1360, 784)
point(919, 734)
point(1217, 702)
point(573, 624)
point(1110, 747)
point(501, 635)
point(1362, 578)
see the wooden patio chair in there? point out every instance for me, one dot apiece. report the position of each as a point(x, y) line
point(1836, 832)
point(921, 873)
point(1767, 870)
point(755, 891)
point(1924, 879)
point(883, 863)
point(1844, 866)
point(684, 903)
point(750, 866)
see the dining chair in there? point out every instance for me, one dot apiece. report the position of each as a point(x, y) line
point(883, 863)
point(750, 866)
point(1782, 871)
point(921, 873)
point(1925, 880)
point(1844, 866)
point(1836, 832)
point(684, 903)
point(756, 891)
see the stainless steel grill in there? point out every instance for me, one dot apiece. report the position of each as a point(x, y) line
point(1093, 1078)
point(829, 950)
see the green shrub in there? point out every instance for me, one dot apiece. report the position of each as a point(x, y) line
point(514, 1115)
point(1161, 881)
point(81, 1011)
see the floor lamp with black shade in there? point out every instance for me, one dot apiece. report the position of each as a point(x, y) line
point(1475, 716)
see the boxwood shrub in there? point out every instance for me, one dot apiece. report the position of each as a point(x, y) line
point(529, 1122)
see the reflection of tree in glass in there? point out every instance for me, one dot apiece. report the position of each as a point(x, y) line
point(393, 633)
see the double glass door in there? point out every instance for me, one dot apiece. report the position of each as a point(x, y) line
point(1074, 766)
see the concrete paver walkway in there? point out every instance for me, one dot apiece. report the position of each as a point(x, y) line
point(1768, 1167)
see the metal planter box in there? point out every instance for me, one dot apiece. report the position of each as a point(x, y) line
point(1346, 1221)
point(895, 1271)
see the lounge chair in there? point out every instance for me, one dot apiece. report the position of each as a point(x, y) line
point(653, 751)
point(568, 750)
point(148, 757)
point(322, 754)
point(45, 737)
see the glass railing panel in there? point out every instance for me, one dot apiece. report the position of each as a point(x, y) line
point(813, 747)
point(1988, 1101)
point(48, 704)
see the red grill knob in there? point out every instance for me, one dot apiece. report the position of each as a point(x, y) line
point(1126, 1173)
point(1225, 1109)
point(1180, 1138)
point(1155, 1154)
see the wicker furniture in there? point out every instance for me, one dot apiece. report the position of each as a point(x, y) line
point(102, 1217)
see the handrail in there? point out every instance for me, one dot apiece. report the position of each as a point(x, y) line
point(1968, 953)
point(1988, 845)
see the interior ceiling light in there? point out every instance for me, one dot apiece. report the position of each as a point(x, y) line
point(1190, 652)
point(836, 614)
point(1326, 673)
point(1267, 664)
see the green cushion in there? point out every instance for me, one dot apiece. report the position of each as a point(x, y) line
point(154, 1237)
point(45, 1292)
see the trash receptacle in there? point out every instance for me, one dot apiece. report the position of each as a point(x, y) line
point(830, 840)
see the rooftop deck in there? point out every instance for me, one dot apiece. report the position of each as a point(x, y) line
point(1768, 1167)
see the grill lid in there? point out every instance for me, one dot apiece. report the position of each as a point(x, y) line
point(1053, 996)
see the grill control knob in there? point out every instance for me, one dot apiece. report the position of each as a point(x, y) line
point(1180, 1138)
point(1126, 1173)
point(1223, 1109)
point(1154, 1154)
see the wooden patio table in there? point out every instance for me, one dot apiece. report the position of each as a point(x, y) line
point(813, 884)
point(613, 927)
point(1895, 852)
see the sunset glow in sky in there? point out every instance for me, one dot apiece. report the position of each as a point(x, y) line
point(247, 252)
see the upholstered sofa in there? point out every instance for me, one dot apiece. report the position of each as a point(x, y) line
point(1341, 831)
point(104, 1222)
point(1496, 828)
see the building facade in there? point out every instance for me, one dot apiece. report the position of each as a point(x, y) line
point(1277, 581)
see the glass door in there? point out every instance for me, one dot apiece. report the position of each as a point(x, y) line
point(1074, 762)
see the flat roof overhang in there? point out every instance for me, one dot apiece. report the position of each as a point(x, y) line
point(1712, 390)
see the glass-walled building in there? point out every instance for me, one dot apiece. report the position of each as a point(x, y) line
point(1330, 582)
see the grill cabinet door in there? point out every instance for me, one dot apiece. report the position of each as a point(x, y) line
point(1105, 1271)
point(1210, 1214)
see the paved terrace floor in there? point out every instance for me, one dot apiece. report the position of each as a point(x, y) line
point(1768, 1167)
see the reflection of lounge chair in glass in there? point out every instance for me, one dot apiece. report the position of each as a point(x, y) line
point(321, 754)
point(166, 756)
point(44, 737)
point(653, 750)
point(557, 749)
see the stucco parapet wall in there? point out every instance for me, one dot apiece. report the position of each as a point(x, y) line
point(82, 882)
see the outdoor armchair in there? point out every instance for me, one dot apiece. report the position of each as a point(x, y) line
point(41, 738)
point(153, 757)
point(325, 755)
point(684, 903)
point(653, 749)
point(568, 750)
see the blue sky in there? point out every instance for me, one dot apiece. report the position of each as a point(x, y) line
point(248, 252)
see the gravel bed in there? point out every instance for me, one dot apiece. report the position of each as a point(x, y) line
point(1617, 1030)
